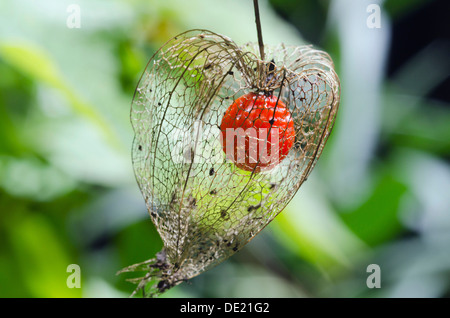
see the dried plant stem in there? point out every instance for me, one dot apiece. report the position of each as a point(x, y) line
point(258, 28)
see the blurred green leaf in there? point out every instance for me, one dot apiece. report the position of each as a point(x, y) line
point(36, 63)
point(398, 8)
point(15, 99)
point(41, 258)
point(309, 227)
point(376, 220)
point(427, 128)
point(43, 182)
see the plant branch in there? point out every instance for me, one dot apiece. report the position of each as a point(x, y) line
point(258, 28)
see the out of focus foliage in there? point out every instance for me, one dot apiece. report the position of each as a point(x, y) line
point(379, 194)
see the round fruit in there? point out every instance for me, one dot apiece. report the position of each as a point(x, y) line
point(257, 132)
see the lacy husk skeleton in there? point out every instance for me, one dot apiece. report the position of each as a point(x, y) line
point(203, 206)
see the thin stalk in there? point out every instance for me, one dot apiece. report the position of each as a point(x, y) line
point(258, 28)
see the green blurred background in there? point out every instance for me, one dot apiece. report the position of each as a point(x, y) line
point(379, 194)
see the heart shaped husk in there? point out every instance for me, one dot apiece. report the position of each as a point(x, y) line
point(203, 206)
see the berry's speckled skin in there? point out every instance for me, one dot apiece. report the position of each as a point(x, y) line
point(267, 116)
